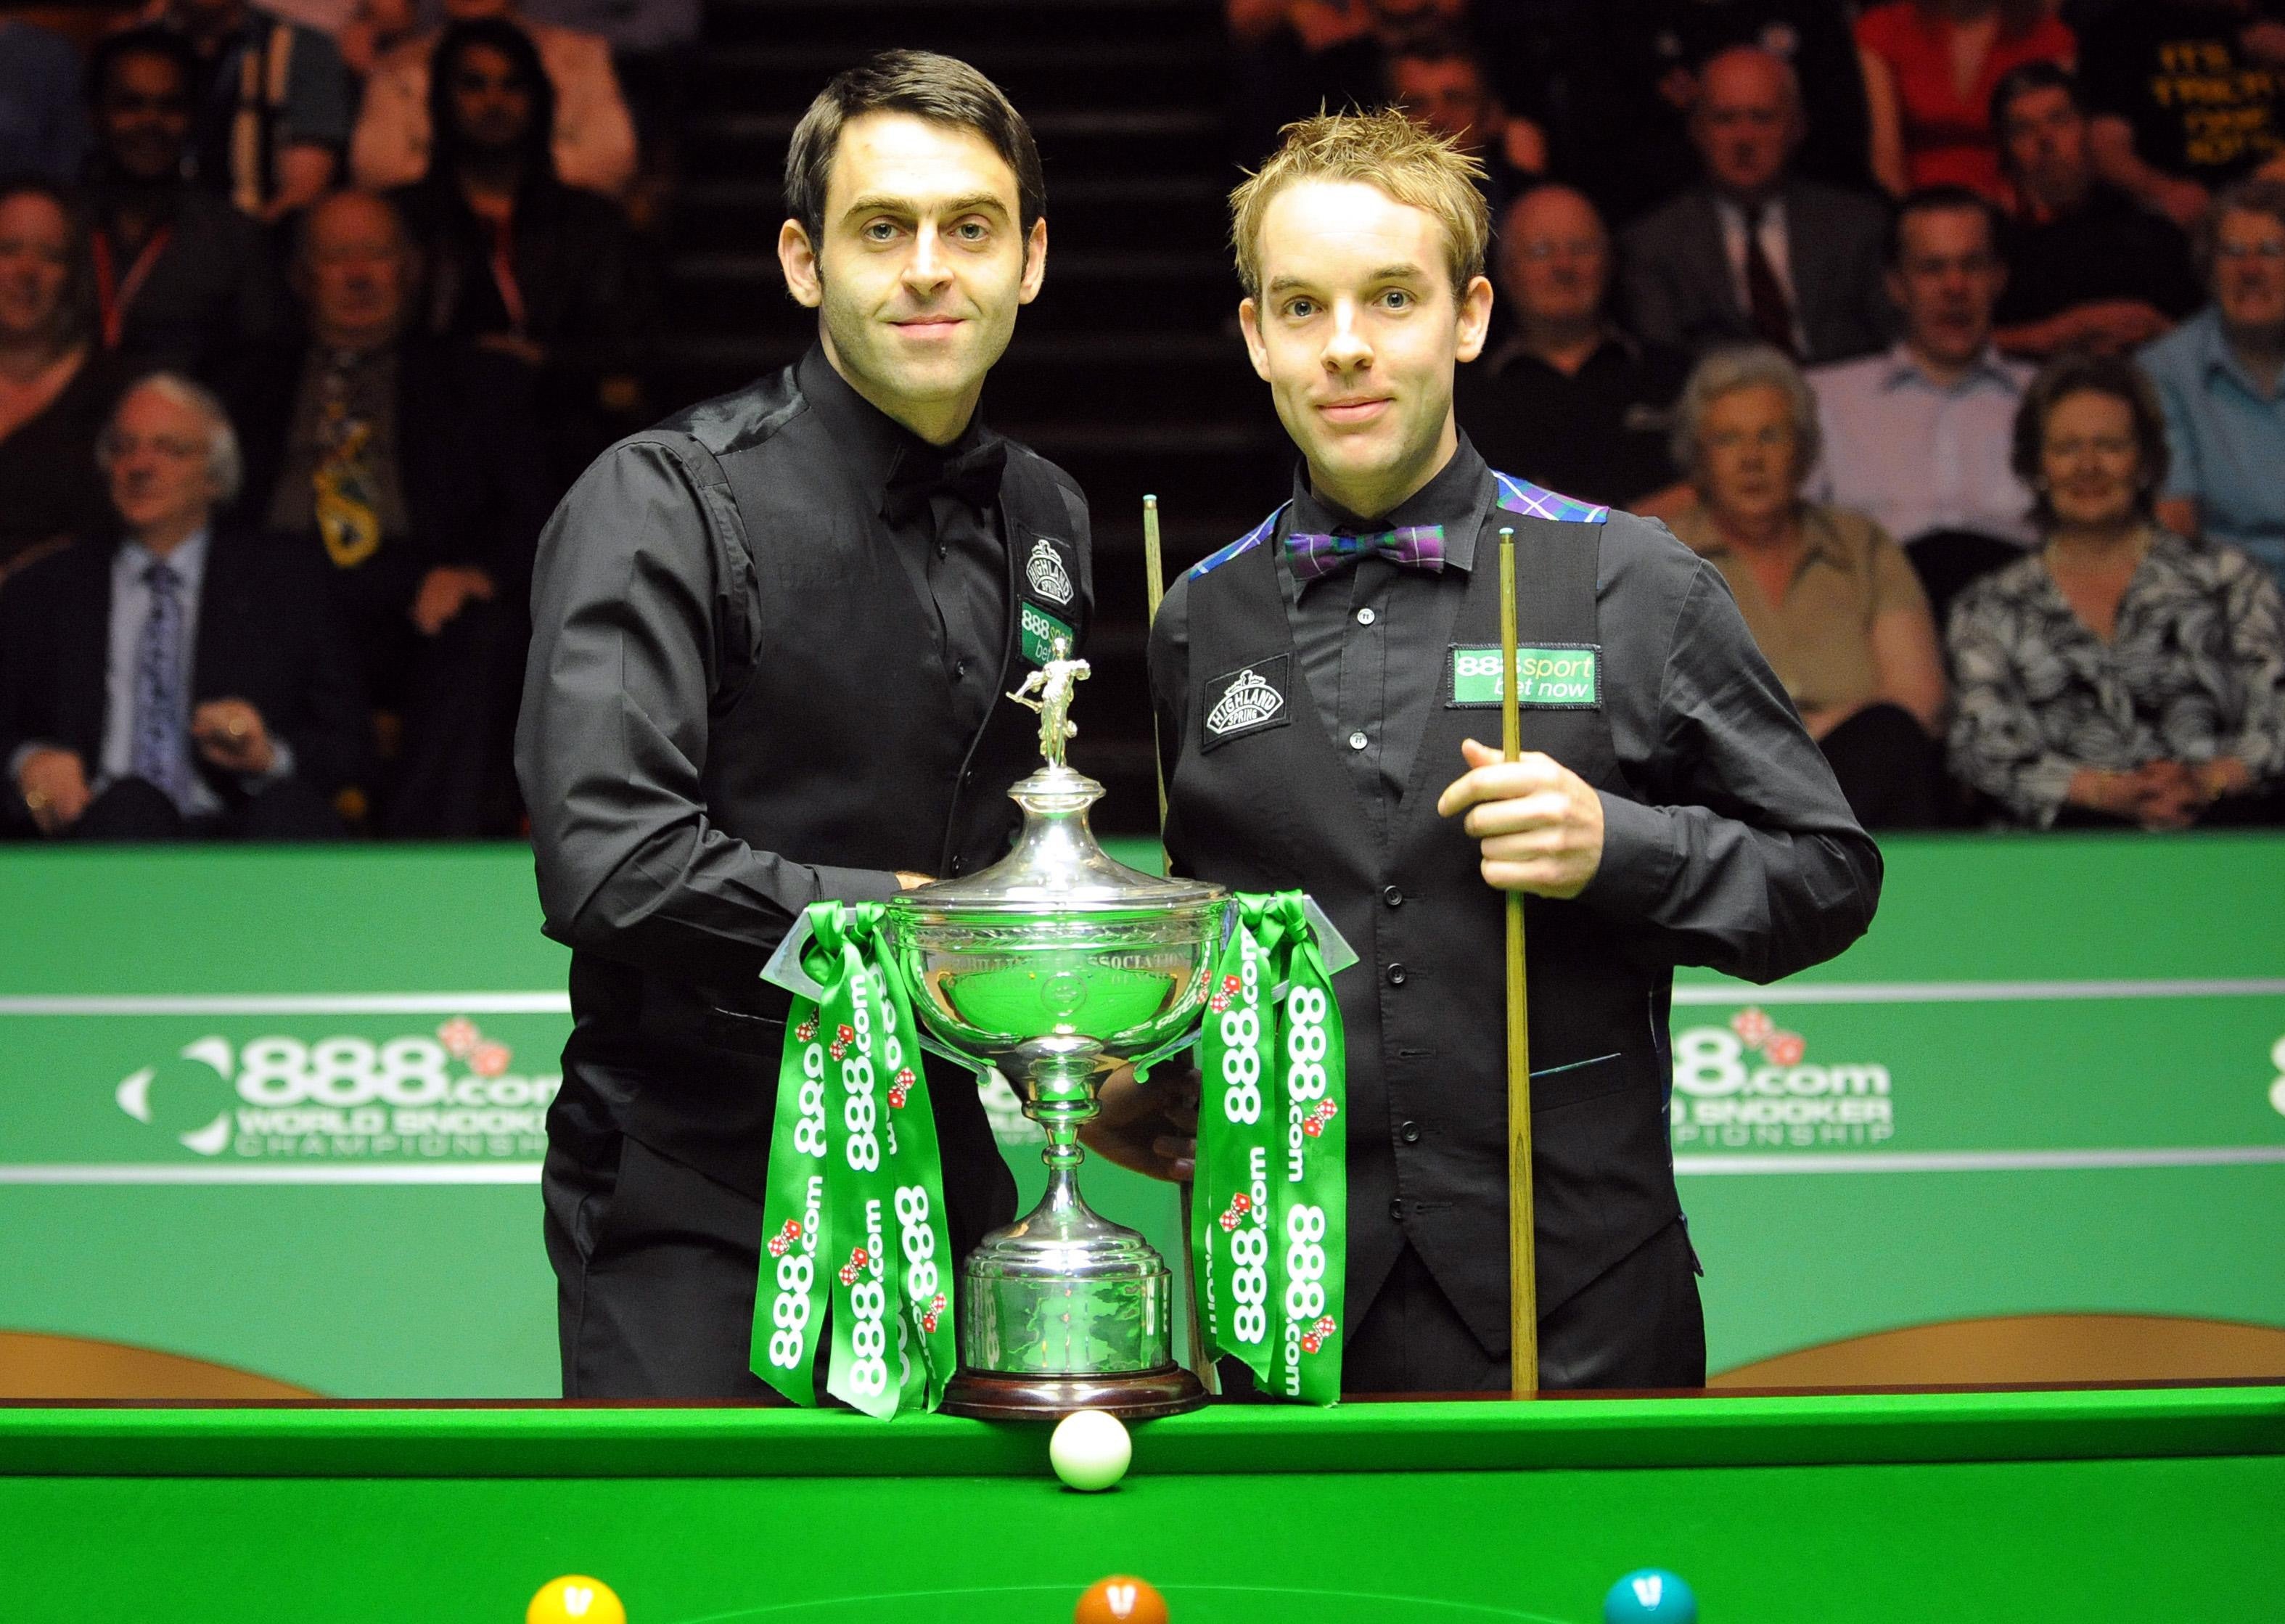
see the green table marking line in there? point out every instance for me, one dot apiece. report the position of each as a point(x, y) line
point(1984, 1161)
point(291, 1003)
point(1973, 991)
point(1686, 995)
point(377, 1172)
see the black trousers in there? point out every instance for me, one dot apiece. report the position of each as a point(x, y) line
point(454, 777)
point(1638, 1325)
point(135, 809)
point(656, 1266)
point(1888, 767)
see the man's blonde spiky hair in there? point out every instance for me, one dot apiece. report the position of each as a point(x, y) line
point(1386, 150)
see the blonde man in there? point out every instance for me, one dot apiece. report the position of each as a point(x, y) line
point(1668, 807)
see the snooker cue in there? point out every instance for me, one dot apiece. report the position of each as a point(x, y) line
point(1154, 589)
point(1522, 1267)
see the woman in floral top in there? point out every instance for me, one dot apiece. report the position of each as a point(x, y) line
point(2120, 674)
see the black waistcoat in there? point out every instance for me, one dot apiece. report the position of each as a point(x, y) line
point(1273, 807)
point(830, 741)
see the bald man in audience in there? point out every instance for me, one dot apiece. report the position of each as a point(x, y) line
point(1756, 253)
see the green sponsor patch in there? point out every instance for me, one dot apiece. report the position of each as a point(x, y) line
point(1039, 631)
point(1546, 677)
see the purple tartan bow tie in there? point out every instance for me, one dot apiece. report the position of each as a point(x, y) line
point(1420, 547)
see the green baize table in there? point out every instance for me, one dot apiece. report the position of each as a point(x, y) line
point(2155, 1505)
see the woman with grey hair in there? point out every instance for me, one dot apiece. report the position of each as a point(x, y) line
point(1830, 599)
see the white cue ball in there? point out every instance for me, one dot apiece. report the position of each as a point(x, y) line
point(1090, 1449)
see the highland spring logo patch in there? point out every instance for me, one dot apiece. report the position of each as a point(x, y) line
point(1045, 572)
point(1752, 1085)
point(1250, 698)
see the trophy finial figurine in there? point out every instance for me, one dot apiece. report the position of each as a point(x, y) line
point(1053, 682)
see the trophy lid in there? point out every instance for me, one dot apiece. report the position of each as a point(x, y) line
point(1056, 863)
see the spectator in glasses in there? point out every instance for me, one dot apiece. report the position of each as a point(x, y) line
point(1572, 400)
point(2219, 377)
point(1832, 601)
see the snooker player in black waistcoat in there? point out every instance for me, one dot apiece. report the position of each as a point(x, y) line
point(770, 640)
point(1320, 683)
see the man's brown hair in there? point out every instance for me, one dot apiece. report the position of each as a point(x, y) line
point(1385, 150)
point(940, 89)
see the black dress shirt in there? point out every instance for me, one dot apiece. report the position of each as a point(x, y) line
point(1739, 835)
point(2109, 248)
point(1599, 434)
point(947, 535)
point(1345, 625)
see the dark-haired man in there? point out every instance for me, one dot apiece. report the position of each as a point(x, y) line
point(2088, 268)
point(182, 280)
point(772, 640)
point(1670, 810)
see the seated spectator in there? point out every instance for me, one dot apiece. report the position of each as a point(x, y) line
point(2217, 377)
point(1832, 602)
point(1571, 401)
point(1930, 67)
point(272, 102)
point(1756, 252)
point(1917, 438)
point(517, 261)
point(42, 121)
point(184, 682)
point(1633, 71)
point(2188, 96)
point(2120, 675)
point(411, 465)
point(1441, 84)
point(57, 384)
point(181, 277)
point(2088, 268)
point(591, 134)
point(1290, 57)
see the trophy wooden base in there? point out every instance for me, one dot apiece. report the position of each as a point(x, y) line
point(1136, 1395)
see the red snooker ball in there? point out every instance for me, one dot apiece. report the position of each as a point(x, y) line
point(1121, 1599)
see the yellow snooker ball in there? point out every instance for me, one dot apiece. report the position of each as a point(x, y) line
point(575, 1599)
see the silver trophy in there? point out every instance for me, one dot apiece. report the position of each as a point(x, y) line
point(1058, 965)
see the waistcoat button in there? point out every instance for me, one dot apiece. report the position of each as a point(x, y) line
point(1392, 896)
point(1396, 1209)
point(1409, 1133)
point(1396, 974)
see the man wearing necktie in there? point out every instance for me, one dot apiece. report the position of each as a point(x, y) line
point(185, 682)
point(772, 640)
point(1322, 687)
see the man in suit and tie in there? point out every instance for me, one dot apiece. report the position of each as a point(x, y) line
point(1757, 253)
point(184, 682)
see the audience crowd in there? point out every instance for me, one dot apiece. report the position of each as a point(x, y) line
point(307, 316)
point(1950, 333)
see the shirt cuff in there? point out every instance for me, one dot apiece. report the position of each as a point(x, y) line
point(24, 753)
point(1639, 858)
point(282, 765)
point(855, 884)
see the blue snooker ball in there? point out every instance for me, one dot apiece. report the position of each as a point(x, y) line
point(1650, 1595)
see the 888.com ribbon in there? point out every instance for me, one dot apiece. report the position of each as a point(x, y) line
point(854, 1228)
point(1269, 1221)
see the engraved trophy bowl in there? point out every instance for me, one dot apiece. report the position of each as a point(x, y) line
point(1058, 965)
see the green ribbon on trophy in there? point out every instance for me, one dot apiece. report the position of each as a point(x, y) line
point(1269, 1226)
point(853, 1216)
